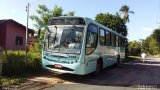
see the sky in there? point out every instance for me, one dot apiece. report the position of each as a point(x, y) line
point(141, 25)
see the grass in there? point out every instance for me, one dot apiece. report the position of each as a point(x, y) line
point(7, 81)
point(14, 71)
point(14, 63)
point(130, 58)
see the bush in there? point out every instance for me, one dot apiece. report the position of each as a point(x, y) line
point(14, 63)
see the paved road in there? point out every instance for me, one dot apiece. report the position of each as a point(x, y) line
point(133, 75)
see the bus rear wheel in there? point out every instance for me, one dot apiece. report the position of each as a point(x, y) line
point(99, 65)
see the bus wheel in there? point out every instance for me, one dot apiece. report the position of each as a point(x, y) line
point(118, 59)
point(99, 65)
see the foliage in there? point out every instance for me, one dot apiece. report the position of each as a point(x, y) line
point(14, 63)
point(134, 48)
point(125, 11)
point(112, 21)
point(44, 14)
point(151, 46)
point(156, 35)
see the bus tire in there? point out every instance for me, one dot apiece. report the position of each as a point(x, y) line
point(118, 59)
point(99, 65)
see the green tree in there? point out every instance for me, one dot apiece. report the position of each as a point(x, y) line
point(134, 48)
point(125, 11)
point(152, 43)
point(44, 14)
point(156, 35)
point(151, 46)
point(112, 21)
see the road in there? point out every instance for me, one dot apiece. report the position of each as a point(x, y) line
point(133, 75)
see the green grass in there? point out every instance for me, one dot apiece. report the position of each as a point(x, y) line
point(130, 58)
point(7, 81)
point(14, 63)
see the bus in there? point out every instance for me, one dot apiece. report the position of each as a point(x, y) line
point(80, 45)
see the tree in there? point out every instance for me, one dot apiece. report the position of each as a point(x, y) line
point(156, 35)
point(151, 46)
point(112, 21)
point(152, 43)
point(134, 48)
point(44, 14)
point(125, 11)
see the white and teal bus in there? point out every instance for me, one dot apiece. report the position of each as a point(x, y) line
point(80, 46)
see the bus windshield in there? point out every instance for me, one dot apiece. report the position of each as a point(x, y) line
point(64, 39)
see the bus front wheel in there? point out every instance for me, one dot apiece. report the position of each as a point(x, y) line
point(99, 65)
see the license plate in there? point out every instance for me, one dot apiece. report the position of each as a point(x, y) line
point(58, 66)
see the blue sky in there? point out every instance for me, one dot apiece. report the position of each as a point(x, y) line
point(142, 23)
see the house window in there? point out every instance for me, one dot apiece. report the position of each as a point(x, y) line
point(19, 40)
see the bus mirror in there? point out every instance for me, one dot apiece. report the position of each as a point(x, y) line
point(39, 33)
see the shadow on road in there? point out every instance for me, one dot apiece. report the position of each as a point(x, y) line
point(130, 74)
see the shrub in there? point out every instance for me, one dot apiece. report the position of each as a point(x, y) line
point(14, 63)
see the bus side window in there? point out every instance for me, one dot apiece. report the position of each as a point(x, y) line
point(108, 38)
point(122, 42)
point(91, 39)
point(113, 40)
point(102, 37)
point(117, 41)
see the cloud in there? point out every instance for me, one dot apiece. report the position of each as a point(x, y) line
point(147, 29)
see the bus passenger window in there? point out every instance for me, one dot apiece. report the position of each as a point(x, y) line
point(108, 38)
point(113, 40)
point(102, 36)
point(91, 39)
point(117, 41)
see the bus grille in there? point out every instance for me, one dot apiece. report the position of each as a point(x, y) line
point(63, 68)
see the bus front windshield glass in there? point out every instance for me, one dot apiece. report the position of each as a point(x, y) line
point(64, 39)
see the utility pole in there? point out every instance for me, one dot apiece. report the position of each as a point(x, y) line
point(26, 45)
